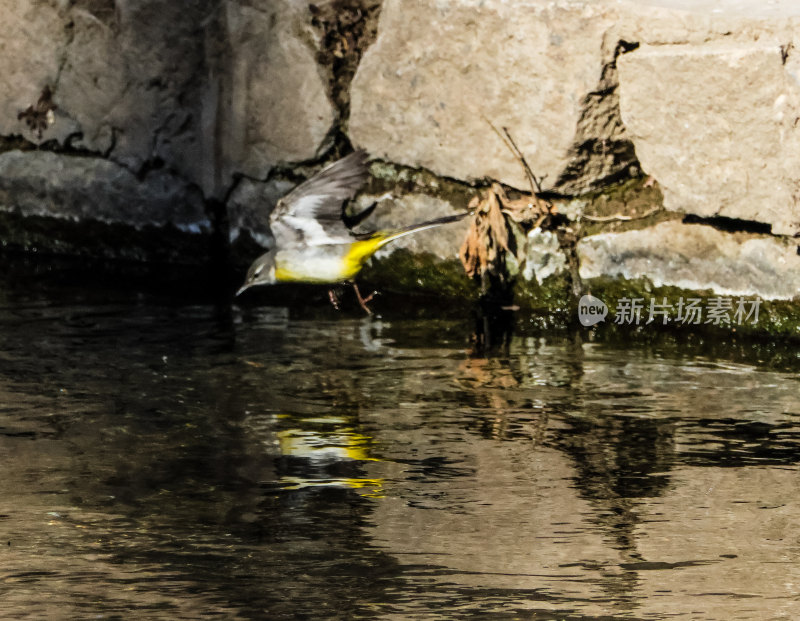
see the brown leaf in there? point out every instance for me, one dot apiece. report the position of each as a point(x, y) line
point(528, 209)
point(469, 253)
point(478, 251)
point(496, 219)
point(500, 192)
point(468, 256)
point(483, 246)
point(497, 222)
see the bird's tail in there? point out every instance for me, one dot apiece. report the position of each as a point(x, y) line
point(390, 236)
point(368, 244)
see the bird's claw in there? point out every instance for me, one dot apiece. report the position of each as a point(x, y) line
point(334, 298)
point(364, 300)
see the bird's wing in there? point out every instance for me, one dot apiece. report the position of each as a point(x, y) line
point(311, 214)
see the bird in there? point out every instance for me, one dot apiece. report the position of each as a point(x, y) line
point(312, 241)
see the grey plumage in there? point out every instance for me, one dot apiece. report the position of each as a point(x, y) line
point(311, 214)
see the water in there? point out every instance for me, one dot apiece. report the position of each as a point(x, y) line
point(174, 461)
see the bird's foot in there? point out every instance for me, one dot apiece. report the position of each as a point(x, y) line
point(333, 296)
point(363, 301)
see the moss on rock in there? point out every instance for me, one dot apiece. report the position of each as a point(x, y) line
point(633, 198)
point(388, 177)
point(421, 274)
point(97, 240)
point(552, 296)
point(776, 318)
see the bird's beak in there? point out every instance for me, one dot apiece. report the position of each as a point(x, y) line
point(241, 290)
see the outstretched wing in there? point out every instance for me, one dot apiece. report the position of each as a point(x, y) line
point(311, 214)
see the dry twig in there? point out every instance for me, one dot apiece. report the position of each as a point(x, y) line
point(621, 217)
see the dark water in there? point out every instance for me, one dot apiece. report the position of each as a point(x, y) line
point(168, 461)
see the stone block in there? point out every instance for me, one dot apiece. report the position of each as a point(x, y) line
point(441, 70)
point(250, 206)
point(718, 125)
point(543, 256)
point(278, 109)
point(208, 90)
point(130, 86)
point(32, 42)
point(41, 183)
point(696, 256)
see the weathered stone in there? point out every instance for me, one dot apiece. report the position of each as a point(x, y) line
point(441, 70)
point(716, 125)
point(250, 205)
point(543, 257)
point(208, 90)
point(278, 107)
point(187, 95)
point(131, 82)
point(662, 22)
point(425, 89)
point(32, 42)
point(696, 256)
point(41, 183)
point(125, 77)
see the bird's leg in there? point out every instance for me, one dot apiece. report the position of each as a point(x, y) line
point(334, 298)
point(363, 301)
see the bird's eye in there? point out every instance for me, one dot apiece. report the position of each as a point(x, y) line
point(258, 270)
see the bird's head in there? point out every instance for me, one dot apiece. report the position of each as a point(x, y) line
point(261, 272)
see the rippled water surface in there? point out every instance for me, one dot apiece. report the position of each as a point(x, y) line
point(183, 462)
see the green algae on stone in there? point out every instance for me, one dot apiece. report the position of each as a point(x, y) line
point(632, 198)
point(552, 296)
point(389, 177)
point(421, 273)
point(777, 318)
point(98, 240)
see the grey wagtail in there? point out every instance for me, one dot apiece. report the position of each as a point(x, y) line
point(313, 243)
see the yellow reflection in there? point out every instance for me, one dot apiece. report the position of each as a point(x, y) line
point(343, 444)
point(372, 488)
point(339, 444)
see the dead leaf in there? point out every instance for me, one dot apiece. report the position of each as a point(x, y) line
point(495, 221)
point(498, 229)
point(528, 209)
point(495, 245)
